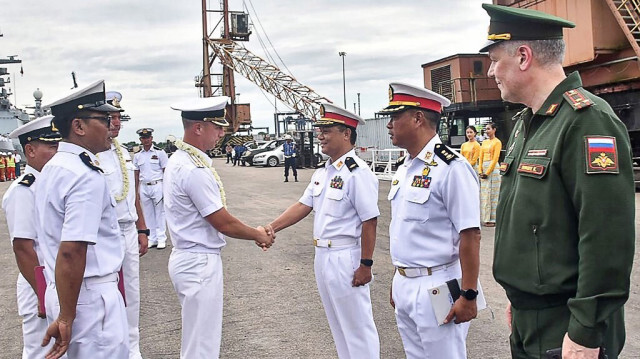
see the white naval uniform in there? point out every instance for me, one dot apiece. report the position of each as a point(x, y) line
point(18, 205)
point(428, 212)
point(151, 165)
point(339, 213)
point(191, 193)
point(73, 203)
point(127, 216)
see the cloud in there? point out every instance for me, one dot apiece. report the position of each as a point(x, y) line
point(152, 50)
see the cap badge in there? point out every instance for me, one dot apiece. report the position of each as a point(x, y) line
point(321, 110)
point(390, 93)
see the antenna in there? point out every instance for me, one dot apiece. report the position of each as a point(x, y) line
point(73, 76)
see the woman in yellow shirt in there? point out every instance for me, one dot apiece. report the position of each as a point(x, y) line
point(471, 149)
point(489, 176)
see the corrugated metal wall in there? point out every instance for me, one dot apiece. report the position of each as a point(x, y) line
point(374, 134)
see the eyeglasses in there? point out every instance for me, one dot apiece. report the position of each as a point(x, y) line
point(106, 119)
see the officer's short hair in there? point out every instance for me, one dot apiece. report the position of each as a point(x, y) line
point(63, 122)
point(433, 118)
point(354, 135)
point(546, 52)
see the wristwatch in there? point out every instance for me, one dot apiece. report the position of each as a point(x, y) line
point(366, 262)
point(144, 231)
point(469, 294)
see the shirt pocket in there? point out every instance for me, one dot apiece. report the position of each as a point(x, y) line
point(416, 204)
point(336, 203)
point(534, 167)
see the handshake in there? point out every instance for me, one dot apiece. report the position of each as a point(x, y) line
point(266, 236)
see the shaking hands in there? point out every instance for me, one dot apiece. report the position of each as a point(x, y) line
point(266, 237)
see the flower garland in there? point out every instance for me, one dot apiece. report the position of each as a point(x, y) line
point(125, 173)
point(201, 160)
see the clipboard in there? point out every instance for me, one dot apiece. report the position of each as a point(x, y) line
point(443, 296)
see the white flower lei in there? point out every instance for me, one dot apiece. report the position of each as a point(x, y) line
point(199, 159)
point(123, 169)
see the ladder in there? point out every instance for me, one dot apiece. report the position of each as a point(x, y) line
point(627, 13)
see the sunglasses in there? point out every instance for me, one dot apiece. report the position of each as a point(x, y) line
point(105, 119)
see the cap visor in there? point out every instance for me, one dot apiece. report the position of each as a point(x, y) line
point(104, 108)
point(488, 44)
point(394, 109)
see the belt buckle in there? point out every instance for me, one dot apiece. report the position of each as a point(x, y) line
point(317, 241)
point(402, 272)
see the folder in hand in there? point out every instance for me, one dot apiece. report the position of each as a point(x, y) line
point(444, 295)
point(41, 288)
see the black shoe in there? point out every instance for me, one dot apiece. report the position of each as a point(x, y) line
point(286, 179)
point(296, 179)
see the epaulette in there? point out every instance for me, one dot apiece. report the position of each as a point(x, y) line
point(577, 99)
point(445, 153)
point(28, 180)
point(157, 148)
point(400, 160)
point(87, 161)
point(351, 163)
point(196, 161)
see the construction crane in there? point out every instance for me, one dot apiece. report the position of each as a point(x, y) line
point(235, 57)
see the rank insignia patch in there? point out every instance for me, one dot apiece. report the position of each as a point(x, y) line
point(504, 167)
point(537, 153)
point(421, 181)
point(577, 99)
point(336, 182)
point(601, 154)
point(531, 168)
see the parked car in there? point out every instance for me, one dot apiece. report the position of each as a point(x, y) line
point(249, 155)
point(320, 156)
point(270, 158)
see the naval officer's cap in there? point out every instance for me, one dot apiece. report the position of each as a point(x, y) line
point(331, 115)
point(113, 98)
point(40, 129)
point(90, 98)
point(208, 109)
point(145, 132)
point(510, 23)
point(404, 97)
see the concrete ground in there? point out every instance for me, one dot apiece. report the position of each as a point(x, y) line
point(271, 305)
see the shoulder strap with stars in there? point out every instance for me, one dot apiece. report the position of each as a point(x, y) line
point(28, 180)
point(351, 163)
point(401, 160)
point(87, 161)
point(445, 153)
point(577, 98)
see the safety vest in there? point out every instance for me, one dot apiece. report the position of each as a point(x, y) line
point(11, 161)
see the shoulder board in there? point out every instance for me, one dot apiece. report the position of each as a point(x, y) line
point(400, 160)
point(520, 113)
point(197, 162)
point(445, 153)
point(28, 180)
point(125, 147)
point(351, 163)
point(577, 98)
point(87, 161)
point(157, 148)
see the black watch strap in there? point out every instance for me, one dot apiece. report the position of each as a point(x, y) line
point(144, 231)
point(366, 262)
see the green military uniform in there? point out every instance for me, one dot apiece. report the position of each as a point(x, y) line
point(565, 237)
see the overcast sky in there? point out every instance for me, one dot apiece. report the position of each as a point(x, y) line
point(151, 51)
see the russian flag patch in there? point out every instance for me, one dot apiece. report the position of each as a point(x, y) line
point(601, 154)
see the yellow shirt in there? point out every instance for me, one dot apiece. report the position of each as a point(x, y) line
point(490, 151)
point(471, 151)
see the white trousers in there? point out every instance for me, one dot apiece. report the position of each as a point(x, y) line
point(197, 279)
point(421, 336)
point(131, 272)
point(348, 308)
point(100, 328)
point(33, 328)
point(151, 199)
